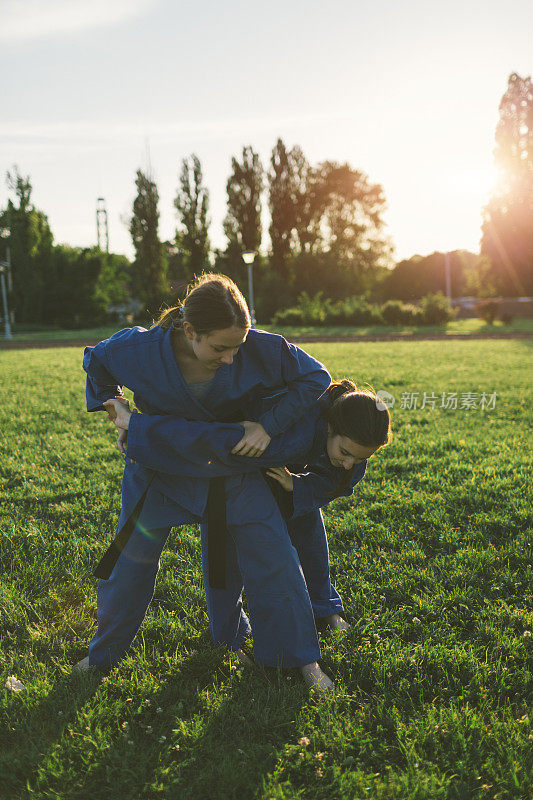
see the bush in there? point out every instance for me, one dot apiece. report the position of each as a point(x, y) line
point(318, 311)
point(288, 316)
point(436, 309)
point(353, 311)
point(308, 311)
point(394, 312)
point(487, 310)
point(506, 317)
point(314, 309)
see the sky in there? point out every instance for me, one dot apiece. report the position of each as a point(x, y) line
point(407, 92)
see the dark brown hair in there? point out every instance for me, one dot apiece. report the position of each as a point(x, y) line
point(359, 415)
point(213, 302)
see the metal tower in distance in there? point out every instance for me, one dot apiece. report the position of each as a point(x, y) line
point(102, 228)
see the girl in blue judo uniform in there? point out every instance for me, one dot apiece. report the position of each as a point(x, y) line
point(349, 427)
point(203, 362)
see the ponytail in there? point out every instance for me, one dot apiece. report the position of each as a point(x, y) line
point(170, 318)
point(339, 388)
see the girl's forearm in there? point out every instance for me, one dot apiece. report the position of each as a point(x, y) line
point(203, 449)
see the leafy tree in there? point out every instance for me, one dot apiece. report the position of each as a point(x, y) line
point(192, 204)
point(242, 224)
point(418, 276)
point(149, 267)
point(309, 203)
point(82, 284)
point(507, 233)
point(229, 262)
point(320, 272)
point(73, 275)
point(327, 228)
point(30, 242)
point(479, 278)
point(178, 275)
point(113, 284)
point(352, 214)
point(282, 202)
point(340, 230)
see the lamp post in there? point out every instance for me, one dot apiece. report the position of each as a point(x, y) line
point(248, 258)
point(448, 276)
point(5, 268)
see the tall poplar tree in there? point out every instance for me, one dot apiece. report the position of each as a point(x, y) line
point(507, 232)
point(149, 266)
point(192, 205)
point(282, 203)
point(242, 224)
point(309, 202)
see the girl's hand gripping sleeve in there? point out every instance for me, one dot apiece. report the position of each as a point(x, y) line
point(202, 449)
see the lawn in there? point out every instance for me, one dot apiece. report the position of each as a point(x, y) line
point(463, 326)
point(432, 556)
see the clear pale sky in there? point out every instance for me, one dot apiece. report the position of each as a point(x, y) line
point(406, 91)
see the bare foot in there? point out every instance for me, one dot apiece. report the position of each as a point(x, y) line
point(315, 679)
point(337, 623)
point(83, 666)
point(243, 658)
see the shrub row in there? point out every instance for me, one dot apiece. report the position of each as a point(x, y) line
point(492, 308)
point(434, 309)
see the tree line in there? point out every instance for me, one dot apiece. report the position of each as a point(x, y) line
point(326, 233)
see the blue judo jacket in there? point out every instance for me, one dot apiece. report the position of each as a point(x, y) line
point(266, 366)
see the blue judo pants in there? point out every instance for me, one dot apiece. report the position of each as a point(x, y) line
point(278, 600)
point(227, 619)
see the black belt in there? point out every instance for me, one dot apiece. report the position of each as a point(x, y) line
point(216, 535)
point(216, 532)
point(216, 522)
point(109, 559)
point(216, 529)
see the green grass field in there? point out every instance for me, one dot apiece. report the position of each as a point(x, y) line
point(433, 558)
point(464, 326)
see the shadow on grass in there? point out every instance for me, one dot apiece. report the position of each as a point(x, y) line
point(206, 732)
point(216, 745)
point(191, 740)
point(39, 727)
point(239, 745)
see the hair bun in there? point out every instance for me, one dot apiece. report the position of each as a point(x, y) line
point(339, 388)
point(177, 316)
